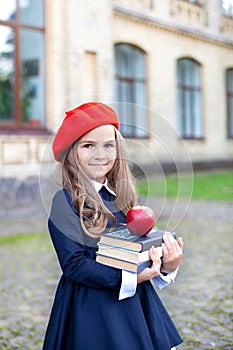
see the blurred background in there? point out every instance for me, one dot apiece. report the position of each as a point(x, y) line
point(172, 57)
point(167, 68)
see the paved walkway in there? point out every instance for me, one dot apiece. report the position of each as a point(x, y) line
point(200, 301)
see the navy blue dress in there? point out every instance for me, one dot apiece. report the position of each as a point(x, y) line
point(86, 314)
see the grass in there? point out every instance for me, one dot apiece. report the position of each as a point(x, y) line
point(211, 186)
point(19, 238)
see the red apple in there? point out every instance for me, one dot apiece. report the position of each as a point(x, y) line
point(140, 220)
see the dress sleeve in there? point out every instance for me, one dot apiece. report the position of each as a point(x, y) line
point(67, 237)
point(128, 284)
point(162, 281)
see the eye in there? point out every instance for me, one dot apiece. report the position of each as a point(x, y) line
point(109, 145)
point(88, 145)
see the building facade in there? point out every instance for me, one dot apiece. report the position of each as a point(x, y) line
point(166, 66)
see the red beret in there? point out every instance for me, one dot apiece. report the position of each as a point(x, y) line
point(80, 121)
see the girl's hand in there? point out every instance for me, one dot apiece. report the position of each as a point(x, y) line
point(154, 270)
point(172, 251)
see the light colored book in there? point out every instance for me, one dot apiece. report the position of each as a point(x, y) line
point(126, 265)
point(125, 254)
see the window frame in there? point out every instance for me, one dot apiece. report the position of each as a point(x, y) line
point(16, 125)
point(191, 88)
point(229, 97)
point(132, 81)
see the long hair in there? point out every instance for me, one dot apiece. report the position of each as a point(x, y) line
point(94, 215)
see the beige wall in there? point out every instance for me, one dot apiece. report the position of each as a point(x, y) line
point(22, 156)
point(79, 45)
point(163, 45)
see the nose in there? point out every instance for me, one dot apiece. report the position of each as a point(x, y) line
point(100, 156)
point(100, 153)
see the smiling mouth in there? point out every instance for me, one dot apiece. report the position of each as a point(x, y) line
point(98, 165)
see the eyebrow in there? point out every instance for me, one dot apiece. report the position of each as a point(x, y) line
point(94, 141)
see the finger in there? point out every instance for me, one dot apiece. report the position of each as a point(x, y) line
point(154, 252)
point(180, 242)
point(156, 264)
point(154, 256)
point(164, 250)
point(178, 246)
point(173, 245)
point(166, 240)
point(170, 243)
point(170, 238)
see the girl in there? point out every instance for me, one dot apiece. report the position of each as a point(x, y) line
point(98, 307)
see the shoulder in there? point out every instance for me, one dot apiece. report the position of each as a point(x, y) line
point(62, 205)
point(62, 199)
point(61, 195)
point(64, 217)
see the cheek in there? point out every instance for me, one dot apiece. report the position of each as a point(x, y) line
point(82, 155)
point(112, 155)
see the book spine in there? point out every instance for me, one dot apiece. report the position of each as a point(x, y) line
point(123, 244)
point(120, 247)
point(157, 242)
point(119, 264)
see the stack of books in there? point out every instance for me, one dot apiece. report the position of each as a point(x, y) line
point(126, 251)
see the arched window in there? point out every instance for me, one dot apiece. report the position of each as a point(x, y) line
point(229, 81)
point(130, 87)
point(189, 99)
point(22, 63)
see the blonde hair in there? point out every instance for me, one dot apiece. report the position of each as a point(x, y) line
point(94, 215)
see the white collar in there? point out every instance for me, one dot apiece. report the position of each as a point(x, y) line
point(98, 186)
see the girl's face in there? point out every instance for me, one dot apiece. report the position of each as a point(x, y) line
point(97, 152)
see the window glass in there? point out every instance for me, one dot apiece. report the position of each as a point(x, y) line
point(227, 7)
point(140, 114)
point(187, 112)
point(6, 73)
point(195, 74)
point(125, 60)
point(139, 64)
point(189, 105)
point(22, 71)
point(230, 80)
point(179, 111)
point(230, 120)
point(130, 87)
point(229, 75)
point(32, 12)
point(7, 10)
point(180, 70)
point(126, 116)
point(197, 107)
point(186, 73)
point(32, 67)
